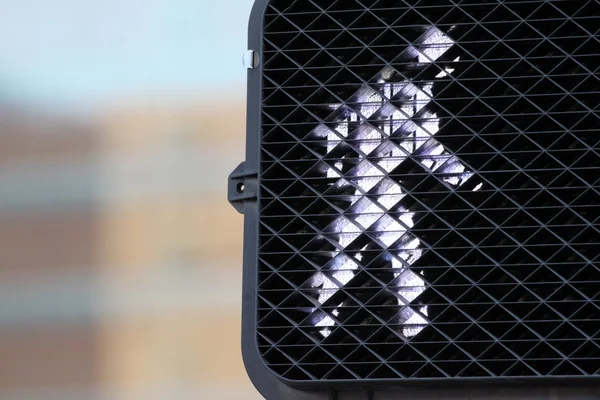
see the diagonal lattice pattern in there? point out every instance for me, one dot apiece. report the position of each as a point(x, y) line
point(430, 189)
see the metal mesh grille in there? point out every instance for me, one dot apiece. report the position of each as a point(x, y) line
point(430, 189)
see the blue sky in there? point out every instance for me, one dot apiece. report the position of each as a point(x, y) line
point(85, 52)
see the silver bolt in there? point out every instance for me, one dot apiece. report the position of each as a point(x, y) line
point(250, 59)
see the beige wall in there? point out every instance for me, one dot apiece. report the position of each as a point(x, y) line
point(200, 231)
point(192, 226)
point(42, 243)
point(213, 125)
point(158, 258)
point(27, 138)
point(47, 357)
point(186, 349)
point(196, 350)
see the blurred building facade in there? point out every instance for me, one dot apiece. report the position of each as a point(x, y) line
point(120, 259)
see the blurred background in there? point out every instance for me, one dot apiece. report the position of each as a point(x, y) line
point(120, 258)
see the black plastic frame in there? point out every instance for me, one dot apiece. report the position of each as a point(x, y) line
point(243, 194)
